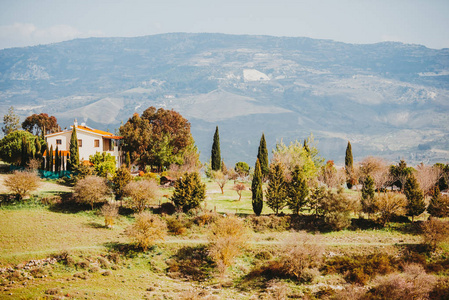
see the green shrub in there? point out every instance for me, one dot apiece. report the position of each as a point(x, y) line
point(189, 191)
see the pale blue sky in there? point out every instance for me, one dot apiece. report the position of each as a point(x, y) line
point(28, 22)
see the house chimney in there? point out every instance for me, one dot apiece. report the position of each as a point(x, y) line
point(75, 123)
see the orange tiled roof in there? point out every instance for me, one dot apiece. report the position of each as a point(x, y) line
point(94, 130)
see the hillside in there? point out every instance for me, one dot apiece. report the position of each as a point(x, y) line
point(388, 99)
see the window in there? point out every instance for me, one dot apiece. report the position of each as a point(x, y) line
point(97, 143)
point(58, 142)
point(80, 143)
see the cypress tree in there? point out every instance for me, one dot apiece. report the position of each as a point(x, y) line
point(57, 163)
point(216, 155)
point(23, 156)
point(349, 165)
point(50, 159)
point(74, 151)
point(262, 156)
point(127, 160)
point(368, 203)
point(415, 197)
point(256, 188)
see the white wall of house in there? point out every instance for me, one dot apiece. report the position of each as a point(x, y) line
point(89, 143)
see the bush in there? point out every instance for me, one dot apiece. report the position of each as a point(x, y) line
point(141, 193)
point(301, 252)
point(440, 290)
point(390, 205)
point(439, 205)
point(413, 283)
point(272, 223)
point(109, 212)
point(147, 229)
point(92, 189)
point(359, 268)
point(189, 191)
point(22, 183)
point(176, 224)
point(121, 178)
point(434, 232)
point(227, 236)
point(337, 208)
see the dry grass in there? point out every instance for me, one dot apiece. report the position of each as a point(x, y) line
point(36, 233)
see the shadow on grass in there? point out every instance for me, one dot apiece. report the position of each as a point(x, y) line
point(191, 263)
point(95, 225)
point(124, 249)
point(68, 205)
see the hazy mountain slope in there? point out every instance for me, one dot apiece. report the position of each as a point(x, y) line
point(389, 99)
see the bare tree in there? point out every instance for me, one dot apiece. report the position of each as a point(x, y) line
point(92, 189)
point(239, 187)
point(427, 177)
point(378, 169)
point(220, 178)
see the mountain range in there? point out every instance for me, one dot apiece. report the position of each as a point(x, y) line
point(388, 99)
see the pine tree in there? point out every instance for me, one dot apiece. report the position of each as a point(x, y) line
point(276, 194)
point(216, 155)
point(189, 191)
point(415, 197)
point(262, 155)
point(439, 205)
point(74, 151)
point(297, 191)
point(256, 188)
point(368, 202)
point(349, 166)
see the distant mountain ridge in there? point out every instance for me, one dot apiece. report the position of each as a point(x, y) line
point(388, 99)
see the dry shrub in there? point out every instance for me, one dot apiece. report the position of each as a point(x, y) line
point(192, 263)
point(176, 224)
point(301, 252)
point(227, 236)
point(205, 218)
point(435, 232)
point(271, 223)
point(142, 193)
point(147, 229)
point(413, 283)
point(91, 189)
point(276, 290)
point(350, 292)
point(389, 205)
point(22, 183)
point(34, 164)
point(360, 268)
point(440, 290)
point(109, 212)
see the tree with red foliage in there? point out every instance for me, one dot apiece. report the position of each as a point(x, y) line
point(39, 124)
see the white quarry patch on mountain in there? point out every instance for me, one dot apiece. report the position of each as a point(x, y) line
point(220, 105)
point(254, 75)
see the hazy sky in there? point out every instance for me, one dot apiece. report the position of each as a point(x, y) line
point(31, 22)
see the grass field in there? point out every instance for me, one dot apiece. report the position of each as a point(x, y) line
point(100, 264)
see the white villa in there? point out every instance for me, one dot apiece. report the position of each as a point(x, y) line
point(90, 141)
